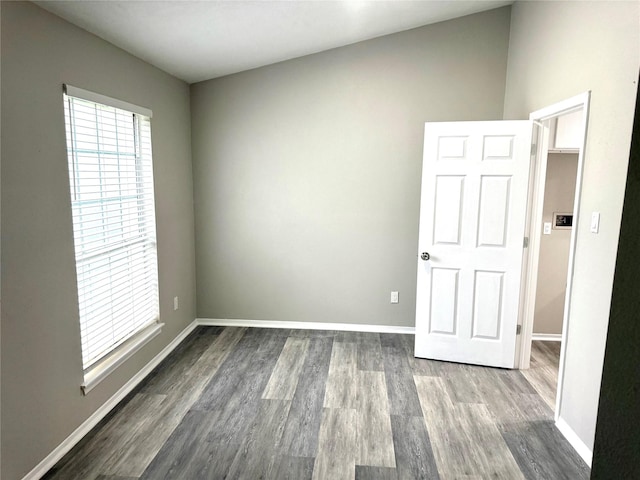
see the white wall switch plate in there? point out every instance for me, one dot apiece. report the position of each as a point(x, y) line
point(175, 303)
point(595, 222)
point(394, 297)
point(547, 228)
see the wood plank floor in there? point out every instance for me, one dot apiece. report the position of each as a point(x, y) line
point(304, 404)
point(543, 371)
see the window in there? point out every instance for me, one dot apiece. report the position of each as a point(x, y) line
point(112, 202)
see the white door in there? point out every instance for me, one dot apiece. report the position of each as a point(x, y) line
point(475, 178)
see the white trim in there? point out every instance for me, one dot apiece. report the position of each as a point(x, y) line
point(532, 253)
point(547, 337)
point(104, 367)
point(572, 437)
point(346, 327)
point(565, 106)
point(586, 97)
point(61, 450)
point(543, 116)
point(104, 100)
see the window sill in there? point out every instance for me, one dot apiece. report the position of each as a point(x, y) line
point(102, 369)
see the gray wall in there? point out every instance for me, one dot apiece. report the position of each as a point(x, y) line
point(559, 194)
point(617, 443)
point(557, 50)
point(41, 361)
point(307, 172)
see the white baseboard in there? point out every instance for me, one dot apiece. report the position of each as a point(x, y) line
point(346, 327)
point(547, 337)
point(575, 441)
point(61, 450)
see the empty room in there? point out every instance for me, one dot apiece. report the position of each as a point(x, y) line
point(309, 239)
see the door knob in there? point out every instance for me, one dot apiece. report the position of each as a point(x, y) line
point(425, 256)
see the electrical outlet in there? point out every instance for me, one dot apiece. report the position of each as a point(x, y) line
point(394, 297)
point(175, 303)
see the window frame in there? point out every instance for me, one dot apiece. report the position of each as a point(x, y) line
point(97, 369)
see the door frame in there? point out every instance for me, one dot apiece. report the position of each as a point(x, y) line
point(542, 118)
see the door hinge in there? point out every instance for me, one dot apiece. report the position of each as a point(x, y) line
point(518, 329)
point(534, 149)
point(525, 243)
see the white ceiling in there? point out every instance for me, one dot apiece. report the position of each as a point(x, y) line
point(199, 40)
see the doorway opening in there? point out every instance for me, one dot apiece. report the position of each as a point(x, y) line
point(554, 209)
point(553, 265)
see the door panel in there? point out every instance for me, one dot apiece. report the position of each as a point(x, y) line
point(487, 304)
point(443, 306)
point(472, 220)
point(448, 216)
point(493, 212)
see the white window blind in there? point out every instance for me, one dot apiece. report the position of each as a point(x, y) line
point(111, 179)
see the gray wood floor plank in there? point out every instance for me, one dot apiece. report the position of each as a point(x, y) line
point(506, 406)
point(358, 337)
point(224, 382)
point(401, 389)
point(100, 454)
point(300, 437)
point(465, 439)
point(490, 452)
point(211, 461)
point(256, 456)
point(114, 477)
point(547, 352)
point(181, 361)
point(241, 404)
point(201, 414)
point(393, 340)
point(419, 366)
point(284, 379)
point(473, 384)
point(462, 385)
point(518, 410)
point(375, 473)
point(348, 337)
point(540, 378)
point(374, 438)
point(542, 453)
point(342, 381)
point(313, 333)
point(514, 381)
point(368, 346)
point(440, 420)
point(543, 371)
point(424, 367)
point(257, 335)
point(237, 370)
point(336, 445)
point(188, 455)
point(370, 356)
point(414, 455)
point(183, 451)
point(132, 457)
point(214, 356)
point(292, 468)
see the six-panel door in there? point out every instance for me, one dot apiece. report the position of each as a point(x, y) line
point(472, 220)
